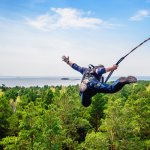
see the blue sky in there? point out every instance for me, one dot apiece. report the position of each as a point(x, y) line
point(36, 33)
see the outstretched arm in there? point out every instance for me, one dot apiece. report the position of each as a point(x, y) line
point(73, 65)
point(66, 60)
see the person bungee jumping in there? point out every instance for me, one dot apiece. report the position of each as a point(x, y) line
point(92, 81)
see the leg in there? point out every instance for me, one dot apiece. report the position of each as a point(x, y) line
point(85, 98)
point(109, 88)
point(115, 86)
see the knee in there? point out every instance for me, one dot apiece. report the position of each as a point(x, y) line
point(85, 100)
point(86, 103)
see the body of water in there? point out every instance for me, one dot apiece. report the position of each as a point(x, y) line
point(38, 81)
point(51, 81)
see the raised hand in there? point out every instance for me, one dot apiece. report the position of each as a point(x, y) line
point(65, 59)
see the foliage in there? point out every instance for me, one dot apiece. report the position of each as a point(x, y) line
point(53, 118)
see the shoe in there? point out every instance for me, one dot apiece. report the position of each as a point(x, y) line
point(129, 79)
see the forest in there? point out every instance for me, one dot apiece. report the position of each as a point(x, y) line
point(52, 118)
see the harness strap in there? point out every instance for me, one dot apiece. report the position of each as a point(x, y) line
point(92, 72)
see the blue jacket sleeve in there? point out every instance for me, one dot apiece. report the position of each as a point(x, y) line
point(78, 68)
point(100, 71)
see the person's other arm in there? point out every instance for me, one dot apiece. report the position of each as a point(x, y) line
point(102, 70)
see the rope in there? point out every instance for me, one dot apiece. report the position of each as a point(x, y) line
point(122, 58)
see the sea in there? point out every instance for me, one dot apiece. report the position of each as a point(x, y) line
point(12, 81)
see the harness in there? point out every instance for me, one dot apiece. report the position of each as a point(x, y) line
point(89, 73)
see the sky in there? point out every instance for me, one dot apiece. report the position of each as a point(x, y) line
point(34, 34)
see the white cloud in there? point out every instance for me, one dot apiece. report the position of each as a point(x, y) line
point(140, 15)
point(65, 18)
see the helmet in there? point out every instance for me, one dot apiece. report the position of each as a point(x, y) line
point(100, 65)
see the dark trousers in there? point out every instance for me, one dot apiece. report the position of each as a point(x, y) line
point(106, 88)
point(95, 87)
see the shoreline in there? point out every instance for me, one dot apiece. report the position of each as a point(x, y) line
point(50, 81)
